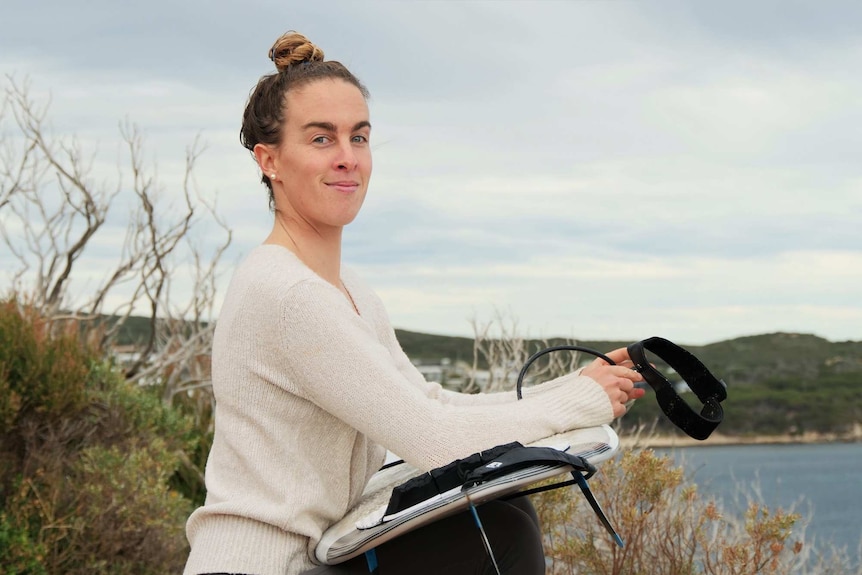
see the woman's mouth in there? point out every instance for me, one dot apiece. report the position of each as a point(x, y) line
point(345, 187)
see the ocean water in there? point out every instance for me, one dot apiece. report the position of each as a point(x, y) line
point(821, 482)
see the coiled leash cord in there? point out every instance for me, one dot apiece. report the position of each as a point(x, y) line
point(708, 389)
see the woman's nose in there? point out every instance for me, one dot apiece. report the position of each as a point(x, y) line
point(346, 159)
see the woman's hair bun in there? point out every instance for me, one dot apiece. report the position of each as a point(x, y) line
point(293, 48)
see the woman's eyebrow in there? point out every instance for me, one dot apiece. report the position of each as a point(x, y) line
point(329, 126)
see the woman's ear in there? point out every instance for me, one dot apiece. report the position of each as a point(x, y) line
point(265, 156)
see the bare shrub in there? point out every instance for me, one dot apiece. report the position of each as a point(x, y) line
point(53, 206)
point(499, 346)
point(668, 527)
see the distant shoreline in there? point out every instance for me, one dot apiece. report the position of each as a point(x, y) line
point(716, 439)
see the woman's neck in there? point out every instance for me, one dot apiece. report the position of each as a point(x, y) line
point(321, 252)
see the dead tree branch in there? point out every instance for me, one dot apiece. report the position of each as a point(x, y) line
point(54, 214)
point(499, 344)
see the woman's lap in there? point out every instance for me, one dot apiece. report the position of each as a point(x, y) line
point(454, 546)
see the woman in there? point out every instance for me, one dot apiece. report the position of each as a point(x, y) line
point(311, 385)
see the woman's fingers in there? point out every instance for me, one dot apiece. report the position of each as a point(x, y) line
point(625, 372)
point(618, 381)
point(627, 387)
point(621, 399)
point(599, 369)
point(619, 356)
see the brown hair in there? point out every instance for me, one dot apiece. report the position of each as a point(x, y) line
point(298, 62)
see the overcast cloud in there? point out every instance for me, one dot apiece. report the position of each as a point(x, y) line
point(595, 169)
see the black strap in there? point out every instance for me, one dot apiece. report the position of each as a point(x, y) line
point(705, 386)
point(488, 465)
point(709, 390)
point(519, 458)
point(441, 479)
point(522, 457)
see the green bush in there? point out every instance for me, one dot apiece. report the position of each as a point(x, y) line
point(19, 552)
point(42, 368)
point(87, 461)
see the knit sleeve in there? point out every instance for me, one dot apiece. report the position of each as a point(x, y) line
point(334, 359)
point(434, 390)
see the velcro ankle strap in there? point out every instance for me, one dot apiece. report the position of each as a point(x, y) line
point(706, 387)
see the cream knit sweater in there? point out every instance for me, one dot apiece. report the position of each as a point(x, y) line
point(310, 394)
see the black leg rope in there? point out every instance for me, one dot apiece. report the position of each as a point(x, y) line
point(504, 459)
point(709, 390)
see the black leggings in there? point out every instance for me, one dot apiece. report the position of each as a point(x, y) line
point(453, 546)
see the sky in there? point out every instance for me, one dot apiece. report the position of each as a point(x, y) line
point(590, 169)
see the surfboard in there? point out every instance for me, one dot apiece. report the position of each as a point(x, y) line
point(366, 526)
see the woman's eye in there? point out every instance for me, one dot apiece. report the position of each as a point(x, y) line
point(320, 140)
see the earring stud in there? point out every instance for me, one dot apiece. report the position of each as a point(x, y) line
point(272, 176)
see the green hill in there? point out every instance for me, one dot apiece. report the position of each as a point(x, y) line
point(743, 360)
point(778, 383)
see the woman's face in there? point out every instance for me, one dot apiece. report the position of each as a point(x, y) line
point(324, 161)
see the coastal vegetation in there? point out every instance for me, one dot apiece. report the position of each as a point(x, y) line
point(93, 468)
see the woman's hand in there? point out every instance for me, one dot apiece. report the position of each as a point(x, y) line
point(618, 381)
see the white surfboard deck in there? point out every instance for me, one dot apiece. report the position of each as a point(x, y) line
point(364, 526)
